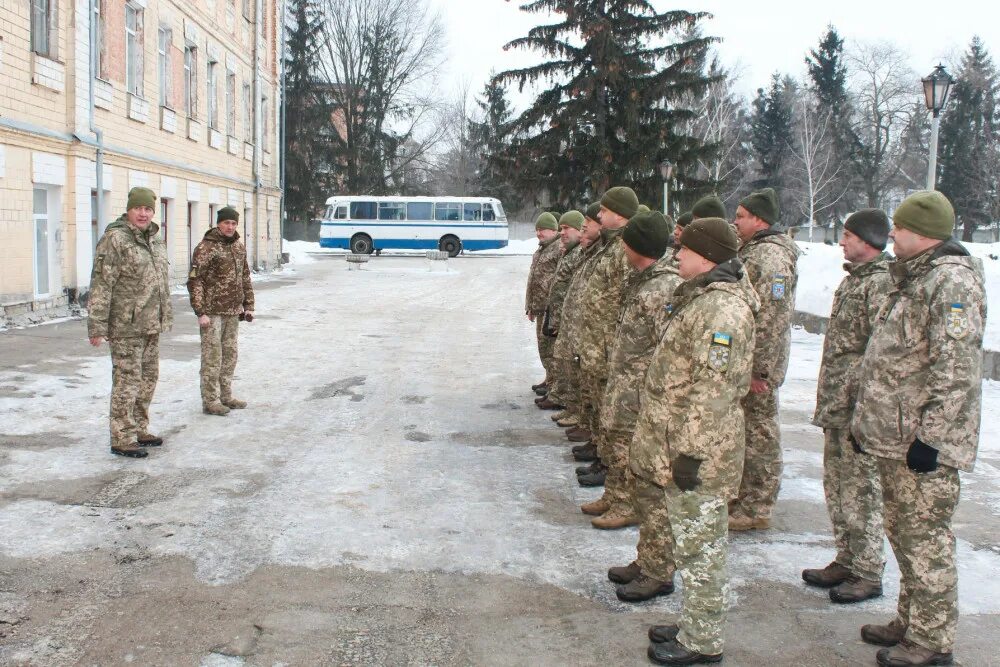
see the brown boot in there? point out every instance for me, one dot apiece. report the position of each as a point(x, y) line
point(234, 403)
point(131, 450)
point(624, 575)
point(149, 440)
point(884, 635)
point(549, 404)
point(831, 575)
point(585, 453)
point(741, 523)
point(615, 518)
point(643, 588)
point(596, 508)
point(908, 654)
point(560, 415)
point(855, 589)
point(568, 422)
point(217, 409)
point(660, 634)
point(577, 434)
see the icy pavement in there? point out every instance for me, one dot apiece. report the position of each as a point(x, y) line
point(390, 430)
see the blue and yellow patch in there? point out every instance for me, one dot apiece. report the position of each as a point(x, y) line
point(956, 321)
point(719, 338)
point(719, 351)
point(778, 287)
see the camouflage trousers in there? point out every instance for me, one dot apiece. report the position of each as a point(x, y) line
point(655, 550)
point(613, 449)
point(546, 345)
point(762, 465)
point(135, 368)
point(918, 512)
point(854, 502)
point(219, 342)
point(563, 380)
point(592, 391)
point(700, 528)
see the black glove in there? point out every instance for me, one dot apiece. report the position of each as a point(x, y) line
point(246, 317)
point(685, 472)
point(855, 445)
point(921, 457)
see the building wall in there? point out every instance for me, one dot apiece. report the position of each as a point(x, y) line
point(46, 140)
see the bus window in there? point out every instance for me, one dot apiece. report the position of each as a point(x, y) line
point(499, 208)
point(364, 210)
point(341, 213)
point(488, 215)
point(419, 211)
point(390, 210)
point(328, 214)
point(473, 212)
point(448, 211)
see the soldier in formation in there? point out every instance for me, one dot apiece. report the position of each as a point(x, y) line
point(543, 271)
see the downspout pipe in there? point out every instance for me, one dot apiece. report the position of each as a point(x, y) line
point(281, 144)
point(258, 122)
point(96, 131)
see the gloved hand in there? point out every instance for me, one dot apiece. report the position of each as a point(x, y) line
point(855, 444)
point(685, 472)
point(921, 457)
point(246, 316)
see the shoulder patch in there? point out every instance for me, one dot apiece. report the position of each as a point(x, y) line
point(669, 309)
point(719, 350)
point(778, 287)
point(956, 322)
point(194, 272)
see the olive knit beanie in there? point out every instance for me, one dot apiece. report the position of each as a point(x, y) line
point(547, 221)
point(648, 233)
point(712, 238)
point(227, 213)
point(141, 197)
point(621, 200)
point(928, 213)
point(572, 219)
point(709, 207)
point(685, 219)
point(593, 212)
point(763, 204)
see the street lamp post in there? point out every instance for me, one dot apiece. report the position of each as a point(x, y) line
point(666, 169)
point(937, 84)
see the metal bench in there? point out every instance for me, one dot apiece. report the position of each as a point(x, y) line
point(356, 261)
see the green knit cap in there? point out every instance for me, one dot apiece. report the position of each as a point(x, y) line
point(648, 233)
point(763, 204)
point(928, 213)
point(685, 219)
point(593, 212)
point(712, 238)
point(643, 209)
point(621, 200)
point(709, 207)
point(572, 219)
point(547, 221)
point(227, 213)
point(141, 197)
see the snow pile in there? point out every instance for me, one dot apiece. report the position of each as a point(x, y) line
point(514, 247)
point(298, 251)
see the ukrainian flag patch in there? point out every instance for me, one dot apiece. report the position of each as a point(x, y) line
point(719, 350)
point(719, 338)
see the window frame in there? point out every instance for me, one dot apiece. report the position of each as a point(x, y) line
point(191, 80)
point(429, 207)
point(248, 113)
point(212, 91)
point(355, 208)
point(398, 207)
point(164, 43)
point(134, 66)
point(43, 32)
point(231, 103)
point(456, 206)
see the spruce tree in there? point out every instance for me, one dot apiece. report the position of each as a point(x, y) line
point(771, 137)
point(491, 139)
point(969, 141)
point(619, 99)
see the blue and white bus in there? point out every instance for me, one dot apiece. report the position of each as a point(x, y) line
point(369, 224)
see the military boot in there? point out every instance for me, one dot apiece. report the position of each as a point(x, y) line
point(855, 589)
point(658, 634)
point(615, 518)
point(596, 466)
point(596, 508)
point(643, 588)
point(884, 635)
point(831, 575)
point(549, 404)
point(623, 575)
point(908, 654)
point(593, 479)
point(540, 385)
point(217, 409)
point(542, 390)
point(560, 415)
point(131, 450)
point(741, 523)
point(568, 422)
point(234, 403)
point(578, 434)
point(541, 397)
point(675, 653)
point(585, 453)
point(149, 440)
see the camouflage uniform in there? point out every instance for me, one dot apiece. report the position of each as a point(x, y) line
point(646, 294)
point(770, 260)
point(129, 304)
point(220, 287)
point(850, 479)
point(921, 379)
point(690, 407)
point(571, 260)
point(540, 277)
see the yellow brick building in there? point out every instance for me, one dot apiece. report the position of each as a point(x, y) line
point(177, 95)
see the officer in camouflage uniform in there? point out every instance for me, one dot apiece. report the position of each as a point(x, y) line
point(570, 232)
point(601, 304)
point(918, 413)
point(690, 433)
point(770, 258)
point(709, 207)
point(645, 238)
point(850, 479)
point(543, 270)
point(129, 305)
point(221, 296)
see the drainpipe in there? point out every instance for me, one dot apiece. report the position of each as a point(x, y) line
point(281, 141)
point(258, 134)
point(98, 134)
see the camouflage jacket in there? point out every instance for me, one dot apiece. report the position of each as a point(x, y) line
point(219, 281)
point(855, 309)
point(601, 303)
point(568, 264)
point(570, 318)
point(543, 271)
point(129, 286)
point(638, 332)
point(770, 259)
point(690, 401)
point(921, 376)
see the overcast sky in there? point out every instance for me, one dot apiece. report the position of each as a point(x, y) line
point(758, 37)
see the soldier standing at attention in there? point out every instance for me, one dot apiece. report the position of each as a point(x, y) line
point(709, 207)
point(129, 305)
point(689, 435)
point(625, 500)
point(918, 414)
point(221, 296)
point(770, 258)
point(543, 270)
point(850, 478)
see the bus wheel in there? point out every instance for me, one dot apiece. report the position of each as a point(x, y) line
point(361, 244)
point(450, 245)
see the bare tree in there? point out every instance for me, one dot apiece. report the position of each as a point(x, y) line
point(456, 165)
point(816, 174)
point(380, 58)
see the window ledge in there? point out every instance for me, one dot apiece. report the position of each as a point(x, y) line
point(234, 145)
point(168, 120)
point(138, 108)
point(214, 138)
point(48, 73)
point(247, 150)
point(194, 129)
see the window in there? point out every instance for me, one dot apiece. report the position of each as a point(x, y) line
point(341, 213)
point(419, 211)
point(363, 210)
point(231, 104)
point(41, 218)
point(448, 211)
point(41, 24)
point(265, 127)
point(247, 113)
point(165, 37)
point(190, 81)
point(213, 97)
point(97, 46)
point(488, 215)
point(165, 223)
point(133, 50)
point(473, 212)
point(390, 210)
point(191, 217)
